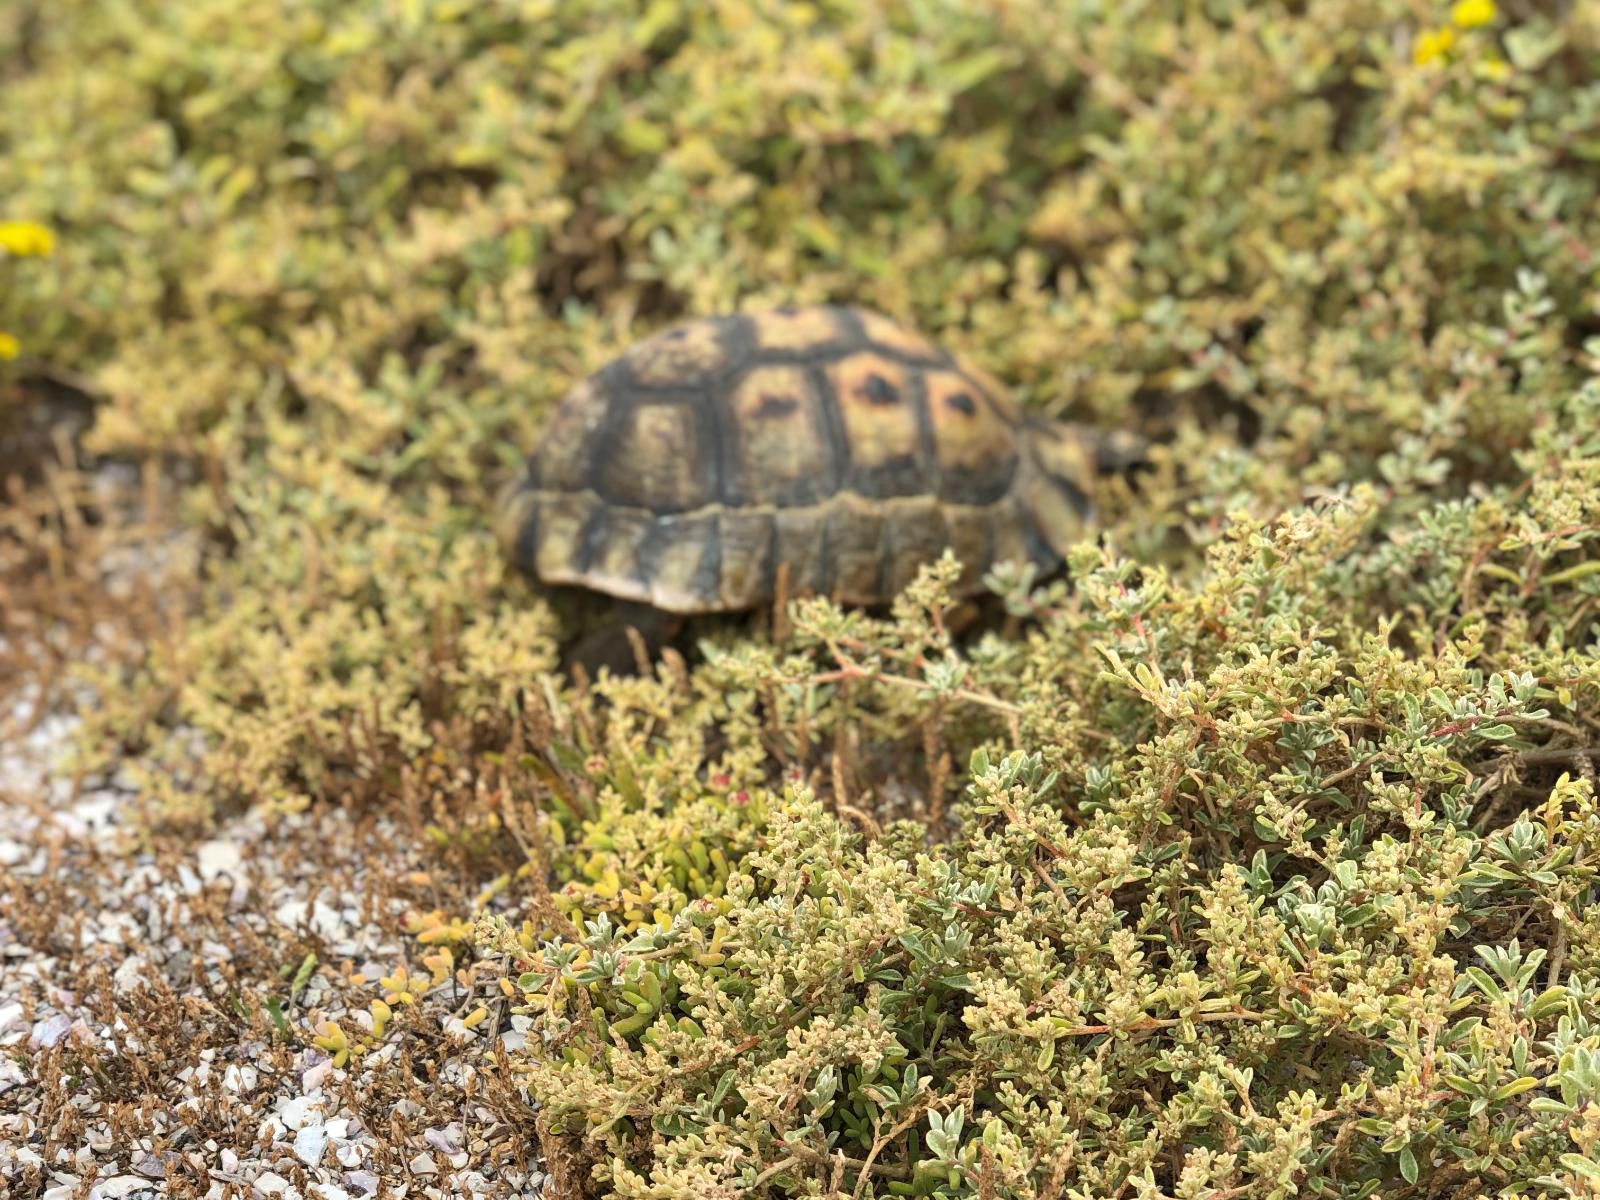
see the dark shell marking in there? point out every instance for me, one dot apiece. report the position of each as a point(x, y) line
point(830, 440)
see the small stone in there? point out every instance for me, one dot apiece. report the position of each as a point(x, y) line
point(239, 1079)
point(49, 1031)
point(129, 974)
point(316, 1076)
point(309, 1144)
point(441, 1141)
point(350, 1154)
point(228, 1161)
point(118, 1186)
point(338, 1128)
point(423, 1164)
point(330, 1191)
point(362, 1181)
point(319, 917)
point(218, 858)
point(300, 1110)
point(270, 1183)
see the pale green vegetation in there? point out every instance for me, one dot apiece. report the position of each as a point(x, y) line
point(1256, 863)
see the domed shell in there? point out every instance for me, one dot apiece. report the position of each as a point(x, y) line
point(830, 444)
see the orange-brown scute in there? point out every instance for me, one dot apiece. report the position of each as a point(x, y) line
point(892, 335)
point(795, 328)
point(999, 396)
point(880, 425)
point(976, 449)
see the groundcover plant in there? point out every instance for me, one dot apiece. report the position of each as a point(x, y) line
point(1251, 859)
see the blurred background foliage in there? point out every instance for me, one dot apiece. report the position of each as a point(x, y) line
point(321, 267)
point(331, 261)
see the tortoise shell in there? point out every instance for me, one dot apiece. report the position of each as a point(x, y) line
point(828, 443)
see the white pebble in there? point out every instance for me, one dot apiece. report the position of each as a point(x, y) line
point(118, 1186)
point(320, 917)
point(218, 858)
point(350, 1154)
point(316, 1076)
point(299, 1110)
point(129, 975)
point(309, 1144)
point(270, 1183)
point(239, 1079)
point(49, 1031)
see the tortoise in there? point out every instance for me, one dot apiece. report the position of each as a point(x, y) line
point(822, 450)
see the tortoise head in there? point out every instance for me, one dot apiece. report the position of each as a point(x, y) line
point(1061, 461)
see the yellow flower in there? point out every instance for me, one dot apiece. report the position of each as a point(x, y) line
point(26, 238)
point(9, 346)
point(1469, 14)
point(1495, 70)
point(1432, 45)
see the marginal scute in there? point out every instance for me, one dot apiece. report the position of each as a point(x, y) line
point(803, 545)
point(915, 534)
point(855, 543)
point(563, 517)
point(616, 558)
point(971, 540)
point(746, 537)
point(683, 547)
point(515, 505)
point(1009, 538)
point(655, 461)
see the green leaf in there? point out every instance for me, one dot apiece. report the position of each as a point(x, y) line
point(1408, 1165)
point(1580, 1165)
point(303, 976)
point(1548, 1002)
point(1515, 1088)
point(1485, 984)
point(965, 73)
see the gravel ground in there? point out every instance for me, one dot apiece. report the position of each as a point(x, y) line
point(138, 977)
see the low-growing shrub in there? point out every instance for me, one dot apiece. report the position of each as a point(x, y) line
point(1288, 901)
point(1252, 863)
